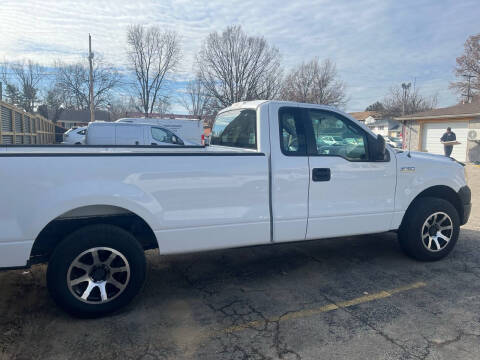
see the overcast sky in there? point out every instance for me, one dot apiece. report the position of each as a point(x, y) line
point(375, 44)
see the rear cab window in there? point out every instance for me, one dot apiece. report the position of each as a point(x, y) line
point(235, 128)
point(292, 132)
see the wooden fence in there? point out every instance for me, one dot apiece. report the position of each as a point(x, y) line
point(20, 127)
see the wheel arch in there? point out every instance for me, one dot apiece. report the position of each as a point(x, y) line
point(66, 223)
point(441, 192)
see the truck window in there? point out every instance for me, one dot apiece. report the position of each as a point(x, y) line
point(336, 136)
point(160, 135)
point(165, 136)
point(236, 128)
point(292, 134)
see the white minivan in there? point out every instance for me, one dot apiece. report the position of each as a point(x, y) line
point(187, 129)
point(115, 133)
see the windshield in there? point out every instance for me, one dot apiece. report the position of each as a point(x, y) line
point(236, 128)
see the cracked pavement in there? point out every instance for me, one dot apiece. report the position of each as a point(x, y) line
point(237, 304)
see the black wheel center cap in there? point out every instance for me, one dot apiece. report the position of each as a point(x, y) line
point(99, 274)
point(433, 230)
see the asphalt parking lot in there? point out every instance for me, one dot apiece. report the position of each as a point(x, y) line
point(348, 298)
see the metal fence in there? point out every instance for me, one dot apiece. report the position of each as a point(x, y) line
point(20, 127)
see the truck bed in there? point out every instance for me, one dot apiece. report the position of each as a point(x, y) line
point(182, 193)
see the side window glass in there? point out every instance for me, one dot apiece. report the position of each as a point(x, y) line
point(335, 136)
point(292, 135)
point(160, 135)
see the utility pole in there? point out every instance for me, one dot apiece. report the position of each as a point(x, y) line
point(468, 95)
point(405, 88)
point(90, 60)
point(1, 91)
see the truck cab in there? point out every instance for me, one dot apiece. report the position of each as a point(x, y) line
point(330, 174)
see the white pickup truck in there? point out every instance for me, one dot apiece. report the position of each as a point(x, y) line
point(268, 178)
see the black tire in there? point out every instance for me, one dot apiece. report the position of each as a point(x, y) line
point(410, 233)
point(90, 238)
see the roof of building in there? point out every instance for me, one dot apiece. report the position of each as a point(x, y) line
point(459, 111)
point(362, 115)
point(82, 116)
point(392, 124)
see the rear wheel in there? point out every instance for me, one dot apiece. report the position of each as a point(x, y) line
point(430, 229)
point(96, 270)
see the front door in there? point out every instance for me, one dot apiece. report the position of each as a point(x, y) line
point(349, 193)
point(290, 173)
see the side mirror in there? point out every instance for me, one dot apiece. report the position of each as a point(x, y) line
point(174, 139)
point(379, 148)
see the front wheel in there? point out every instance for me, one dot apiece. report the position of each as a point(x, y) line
point(96, 270)
point(430, 229)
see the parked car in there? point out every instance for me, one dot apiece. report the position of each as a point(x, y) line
point(261, 181)
point(75, 136)
point(327, 139)
point(188, 130)
point(394, 142)
point(116, 133)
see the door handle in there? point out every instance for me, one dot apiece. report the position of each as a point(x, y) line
point(321, 174)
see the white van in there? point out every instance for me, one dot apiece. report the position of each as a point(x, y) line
point(114, 133)
point(186, 129)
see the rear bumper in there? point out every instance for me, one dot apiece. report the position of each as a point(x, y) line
point(465, 195)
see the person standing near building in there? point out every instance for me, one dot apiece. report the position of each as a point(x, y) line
point(448, 136)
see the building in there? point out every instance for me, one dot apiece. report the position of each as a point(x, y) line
point(422, 131)
point(365, 115)
point(75, 118)
point(378, 124)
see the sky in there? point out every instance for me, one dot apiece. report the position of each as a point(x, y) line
point(375, 44)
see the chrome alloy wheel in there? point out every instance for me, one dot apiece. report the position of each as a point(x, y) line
point(98, 275)
point(437, 231)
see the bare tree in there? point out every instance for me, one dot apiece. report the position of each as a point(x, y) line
point(196, 101)
point(153, 54)
point(22, 87)
point(376, 106)
point(314, 82)
point(54, 101)
point(163, 106)
point(29, 75)
point(468, 69)
point(236, 67)
point(119, 107)
point(72, 81)
point(406, 100)
point(12, 94)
